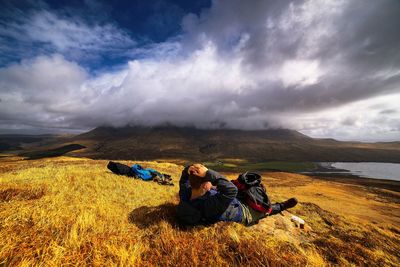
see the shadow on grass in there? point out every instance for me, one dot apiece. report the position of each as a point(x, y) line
point(144, 217)
point(56, 152)
point(21, 194)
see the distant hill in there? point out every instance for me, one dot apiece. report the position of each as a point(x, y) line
point(17, 141)
point(186, 143)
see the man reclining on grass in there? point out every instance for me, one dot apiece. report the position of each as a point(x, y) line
point(202, 204)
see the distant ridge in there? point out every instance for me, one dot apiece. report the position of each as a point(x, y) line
point(171, 142)
point(15, 141)
point(278, 134)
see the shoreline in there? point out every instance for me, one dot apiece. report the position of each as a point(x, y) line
point(348, 178)
point(325, 168)
point(325, 171)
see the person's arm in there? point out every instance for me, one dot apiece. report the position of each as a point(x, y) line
point(184, 186)
point(226, 189)
point(217, 204)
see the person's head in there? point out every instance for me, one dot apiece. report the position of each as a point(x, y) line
point(199, 183)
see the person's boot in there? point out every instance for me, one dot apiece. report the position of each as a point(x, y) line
point(290, 203)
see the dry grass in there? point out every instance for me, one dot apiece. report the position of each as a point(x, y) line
point(67, 211)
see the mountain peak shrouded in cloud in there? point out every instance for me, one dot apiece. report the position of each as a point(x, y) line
point(325, 68)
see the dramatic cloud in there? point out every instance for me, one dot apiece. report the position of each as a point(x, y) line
point(46, 32)
point(326, 68)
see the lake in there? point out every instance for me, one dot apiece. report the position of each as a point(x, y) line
point(378, 170)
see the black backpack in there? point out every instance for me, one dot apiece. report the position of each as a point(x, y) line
point(120, 169)
point(252, 192)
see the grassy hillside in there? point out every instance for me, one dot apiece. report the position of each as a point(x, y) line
point(68, 211)
point(231, 164)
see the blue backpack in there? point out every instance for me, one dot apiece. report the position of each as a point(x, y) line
point(144, 174)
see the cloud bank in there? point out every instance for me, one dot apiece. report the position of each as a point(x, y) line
point(326, 68)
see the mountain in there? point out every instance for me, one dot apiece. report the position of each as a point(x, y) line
point(187, 143)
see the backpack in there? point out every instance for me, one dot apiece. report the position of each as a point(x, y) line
point(120, 169)
point(137, 171)
point(252, 192)
point(144, 174)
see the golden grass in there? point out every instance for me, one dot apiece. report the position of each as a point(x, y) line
point(68, 211)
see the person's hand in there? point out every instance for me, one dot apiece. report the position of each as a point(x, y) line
point(198, 169)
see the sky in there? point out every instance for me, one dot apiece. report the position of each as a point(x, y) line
point(327, 68)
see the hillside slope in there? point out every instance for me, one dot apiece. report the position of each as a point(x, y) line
point(75, 212)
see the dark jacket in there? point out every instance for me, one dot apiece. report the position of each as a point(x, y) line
point(216, 205)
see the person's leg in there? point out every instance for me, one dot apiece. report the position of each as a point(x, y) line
point(251, 216)
point(278, 207)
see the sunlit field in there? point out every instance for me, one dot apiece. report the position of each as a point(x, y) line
point(68, 211)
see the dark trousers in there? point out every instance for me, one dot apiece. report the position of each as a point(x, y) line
point(251, 216)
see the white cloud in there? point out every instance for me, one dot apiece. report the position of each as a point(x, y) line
point(39, 92)
point(49, 32)
point(65, 34)
point(361, 120)
point(300, 73)
point(152, 92)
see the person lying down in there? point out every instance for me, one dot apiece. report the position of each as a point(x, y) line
point(207, 197)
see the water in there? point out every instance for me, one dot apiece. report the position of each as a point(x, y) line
point(377, 170)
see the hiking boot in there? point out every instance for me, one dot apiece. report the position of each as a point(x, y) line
point(290, 203)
